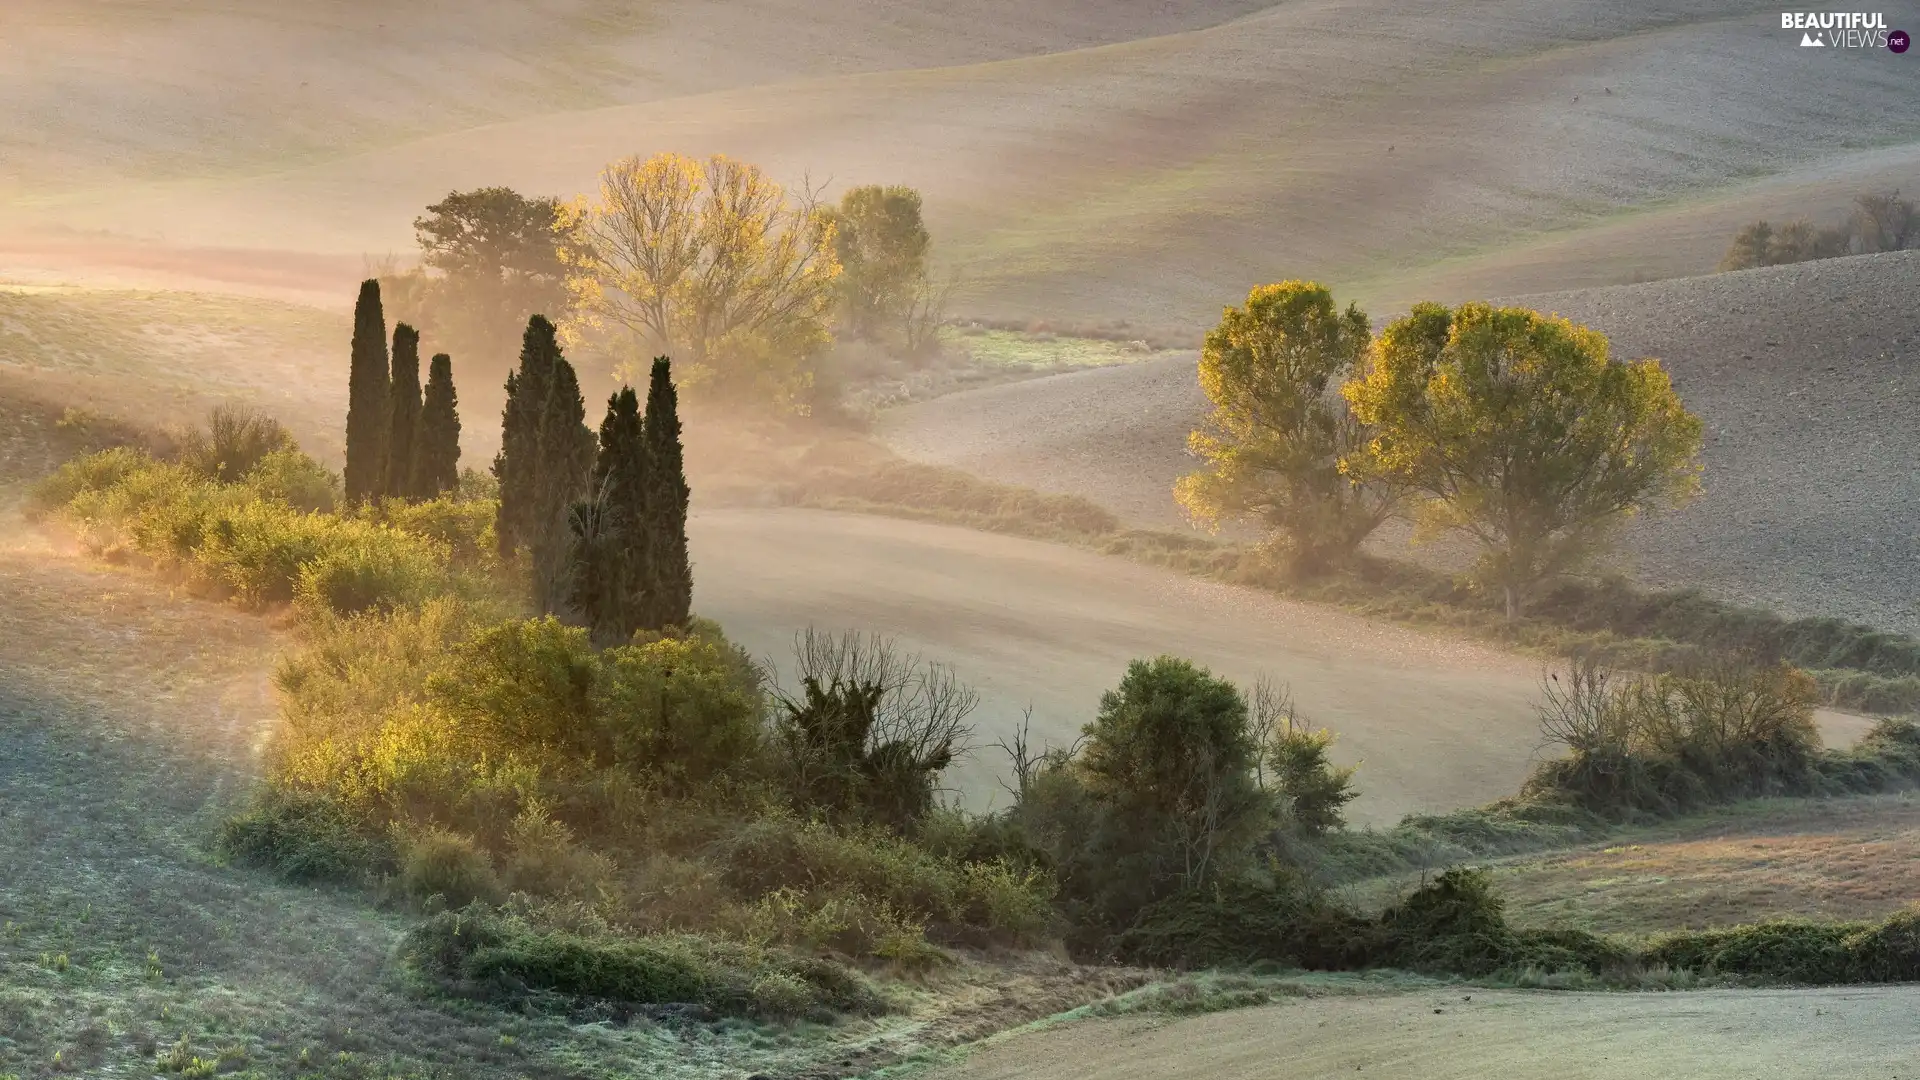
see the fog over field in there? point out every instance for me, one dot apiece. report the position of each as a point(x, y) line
point(356, 726)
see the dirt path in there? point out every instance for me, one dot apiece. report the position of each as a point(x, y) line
point(1516, 1035)
point(1436, 722)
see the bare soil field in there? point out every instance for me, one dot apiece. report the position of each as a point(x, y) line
point(1436, 723)
point(1461, 1033)
point(1802, 373)
point(1137, 161)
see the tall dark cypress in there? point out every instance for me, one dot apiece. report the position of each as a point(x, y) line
point(367, 393)
point(520, 435)
point(563, 462)
point(403, 411)
point(436, 452)
point(670, 573)
point(609, 549)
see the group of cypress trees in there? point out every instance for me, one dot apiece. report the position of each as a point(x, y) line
point(603, 521)
point(398, 444)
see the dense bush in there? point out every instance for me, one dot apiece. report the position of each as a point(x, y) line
point(1665, 743)
point(304, 838)
point(484, 953)
point(870, 731)
point(1453, 924)
point(246, 540)
point(868, 868)
point(1161, 799)
point(442, 865)
point(234, 441)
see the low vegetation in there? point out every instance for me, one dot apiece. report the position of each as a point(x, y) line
point(653, 822)
point(1880, 221)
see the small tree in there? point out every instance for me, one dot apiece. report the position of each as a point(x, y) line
point(367, 398)
point(403, 410)
point(1280, 446)
point(436, 459)
point(1883, 221)
point(1170, 749)
point(1522, 433)
point(1752, 246)
point(669, 571)
point(882, 244)
point(715, 262)
point(498, 258)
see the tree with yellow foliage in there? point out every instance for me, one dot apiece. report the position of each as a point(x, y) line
point(1276, 439)
point(714, 263)
point(1523, 433)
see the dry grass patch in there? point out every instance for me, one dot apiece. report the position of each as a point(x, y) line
point(1855, 859)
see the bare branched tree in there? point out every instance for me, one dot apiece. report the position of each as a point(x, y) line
point(870, 724)
point(709, 260)
point(1586, 711)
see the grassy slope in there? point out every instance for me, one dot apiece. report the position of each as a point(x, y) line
point(1149, 179)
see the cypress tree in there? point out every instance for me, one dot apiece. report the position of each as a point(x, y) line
point(669, 573)
point(436, 454)
point(403, 411)
point(609, 548)
point(367, 393)
point(520, 435)
point(562, 465)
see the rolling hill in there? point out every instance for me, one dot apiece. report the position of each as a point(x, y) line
point(1145, 162)
point(1806, 377)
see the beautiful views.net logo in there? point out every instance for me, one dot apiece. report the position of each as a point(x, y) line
point(1844, 30)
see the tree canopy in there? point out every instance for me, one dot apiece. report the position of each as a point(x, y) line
point(715, 262)
point(1278, 442)
point(1523, 433)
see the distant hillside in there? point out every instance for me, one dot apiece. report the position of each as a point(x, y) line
point(1808, 378)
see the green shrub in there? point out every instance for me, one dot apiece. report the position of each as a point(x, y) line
point(462, 526)
point(234, 442)
point(868, 867)
point(1315, 790)
point(298, 481)
point(492, 955)
point(1663, 744)
point(364, 568)
point(446, 864)
point(91, 473)
point(682, 710)
point(544, 860)
point(243, 542)
point(304, 837)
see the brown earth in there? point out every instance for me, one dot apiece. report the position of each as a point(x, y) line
point(1126, 161)
point(1461, 1033)
point(1805, 376)
point(1436, 723)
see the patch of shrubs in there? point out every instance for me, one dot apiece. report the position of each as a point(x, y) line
point(263, 537)
point(1452, 925)
point(1801, 952)
point(489, 954)
point(304, 838)
point(1655, 746)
